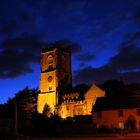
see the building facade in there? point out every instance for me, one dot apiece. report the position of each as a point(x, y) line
point(122, 112)
point(73, 104)
point(118, 118)
point(55, 82)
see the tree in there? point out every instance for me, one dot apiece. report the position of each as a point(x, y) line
point(113, 88)
point(21, 107)
point(47, 111)
point(130, 122)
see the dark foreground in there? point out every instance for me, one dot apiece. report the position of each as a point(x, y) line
point(87, 138)
point(99, 137)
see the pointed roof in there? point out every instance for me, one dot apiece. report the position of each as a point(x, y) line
point(94, 91)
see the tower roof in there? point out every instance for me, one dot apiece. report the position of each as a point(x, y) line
point(52, 46)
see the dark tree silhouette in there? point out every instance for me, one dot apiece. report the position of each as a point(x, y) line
point(47, 111)
point(130, 122)
point(20, 108)
point(113, 88)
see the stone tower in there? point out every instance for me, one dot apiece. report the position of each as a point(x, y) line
point(55, 75)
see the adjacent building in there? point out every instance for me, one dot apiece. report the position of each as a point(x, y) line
point(117, 112)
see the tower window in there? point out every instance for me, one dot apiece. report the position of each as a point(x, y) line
point(120, 113)
point(50, 79)
point(50, 67)
point(50, 58)
point(138, 112)
point(50, 88)
point(99, 114)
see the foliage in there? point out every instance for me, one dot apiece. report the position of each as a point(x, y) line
point(81, 88)
point(45, 126)
point(30, 122)
point(130, 123)
point(47, 111)
point(20, 108)
point(113, 88)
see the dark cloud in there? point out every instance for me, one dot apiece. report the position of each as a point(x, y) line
point(26, 17)
point(65, 5)
point(131, 77)
point(82, 65)
point(91, 75)
point(108, 25)
point(128, 58)
point(69, 44)
point(136, 15)
point(130, 39)
point(106, 17)
point(14, 64)
point(70, 19)
point(26, 43)
point(8, 28)
point(95, 75)
point(125, 64)
point(84, 57)
point(17, 56)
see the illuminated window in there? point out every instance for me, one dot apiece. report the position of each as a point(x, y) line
point(121, 125)
point(99, 114)
point(50, 67)
point(67, 107)
point(120, 113)
point(50, 78)
point(50, 58)
point(138, 112)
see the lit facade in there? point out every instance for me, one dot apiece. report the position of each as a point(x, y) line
point(55, 79)
point(118, 118)
point(117, 112)
point(71, 107)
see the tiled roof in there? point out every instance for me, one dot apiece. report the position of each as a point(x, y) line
point(120, 102)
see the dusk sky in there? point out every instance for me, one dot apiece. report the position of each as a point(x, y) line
point(104, 36)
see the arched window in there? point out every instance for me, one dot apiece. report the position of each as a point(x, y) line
point(50, 58)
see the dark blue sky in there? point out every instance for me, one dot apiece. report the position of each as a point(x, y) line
point(104, 36)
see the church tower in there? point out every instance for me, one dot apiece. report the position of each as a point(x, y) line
point(55, 75)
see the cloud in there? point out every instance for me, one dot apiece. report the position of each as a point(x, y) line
point(26, 43)
point(75, 48)
point(25, 17)
point(18, 54)
point(128, 58)
point(84, 57)
point(108, 25)
point(131, 77)
point(136, 15)
point(91, 75)
point(125, 64)
point(70, 19)
point(14, 64)
point(9, 28)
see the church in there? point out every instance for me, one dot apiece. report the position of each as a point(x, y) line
point(56, 85)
